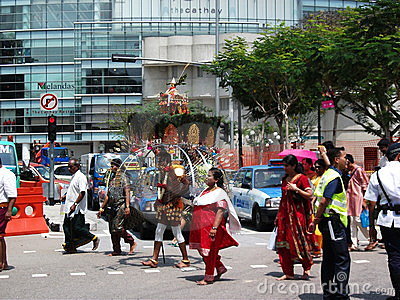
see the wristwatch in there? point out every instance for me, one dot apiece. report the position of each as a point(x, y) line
point(215, 228)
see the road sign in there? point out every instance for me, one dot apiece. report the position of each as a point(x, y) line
point(327, 104)
point(49, 102)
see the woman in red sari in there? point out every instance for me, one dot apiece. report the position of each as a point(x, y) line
point(294, 215)
point(208, 232)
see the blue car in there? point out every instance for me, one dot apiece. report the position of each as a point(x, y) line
point(257, 192)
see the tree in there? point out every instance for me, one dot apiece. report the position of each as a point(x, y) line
point(364, 65)
point(273, 76)
point(258, 136)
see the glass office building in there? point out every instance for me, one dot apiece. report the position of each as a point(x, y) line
point(63, 47)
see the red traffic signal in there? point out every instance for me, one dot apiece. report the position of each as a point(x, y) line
point(52, 128)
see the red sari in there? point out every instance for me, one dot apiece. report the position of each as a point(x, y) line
point(294, 216)
point(202, 222)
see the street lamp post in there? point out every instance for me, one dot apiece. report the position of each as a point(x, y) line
point(217, 104)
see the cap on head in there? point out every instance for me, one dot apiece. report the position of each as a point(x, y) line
point(392, 151)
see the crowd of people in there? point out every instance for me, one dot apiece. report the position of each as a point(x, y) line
point(212, 211)
point(324, 206)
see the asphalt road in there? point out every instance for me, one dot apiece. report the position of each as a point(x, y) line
point(40, 269)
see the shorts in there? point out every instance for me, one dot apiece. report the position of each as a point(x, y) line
point(3, 221)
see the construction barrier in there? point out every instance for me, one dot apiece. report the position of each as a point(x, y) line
point(29, 215)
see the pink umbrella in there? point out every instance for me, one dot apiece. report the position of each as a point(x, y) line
point(300, 154)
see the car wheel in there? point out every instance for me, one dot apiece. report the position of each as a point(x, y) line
point(257, 220)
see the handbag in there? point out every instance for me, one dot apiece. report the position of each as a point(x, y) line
point(364, 217)
point(272, 240)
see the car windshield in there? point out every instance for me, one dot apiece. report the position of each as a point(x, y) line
point(268, 178)
point(103, 162)
point(7, 155)
point(60, 152)
point(63, 170)
point(44, 171)
point(133, 175)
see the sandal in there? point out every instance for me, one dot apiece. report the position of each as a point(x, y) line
point(183, 264)
point(371, 246)
point(150, 263)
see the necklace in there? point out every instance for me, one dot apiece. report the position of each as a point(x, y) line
point(213, 188)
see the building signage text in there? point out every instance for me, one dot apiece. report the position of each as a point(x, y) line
point(55, 86)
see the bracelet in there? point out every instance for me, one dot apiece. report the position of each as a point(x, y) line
point(215, 228)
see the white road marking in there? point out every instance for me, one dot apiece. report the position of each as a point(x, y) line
point(253, 232)
point(258, 266)
point(228, 267)
point(29, 251)
point(261, 244)
point(188, 269)
point(52, 234)
point(78, 274)
point(4, 276)
point(148, 247)
point(39, 275)
point(361, 261)
point(248, 281)
point(115, 273)
point(59, 250)
point(152, 271)
point(106, 232)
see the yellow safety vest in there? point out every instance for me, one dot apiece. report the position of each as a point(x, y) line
point(338, 202)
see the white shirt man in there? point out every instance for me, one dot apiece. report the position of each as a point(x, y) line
point(388, 189)
point(8, 195)
point(77, 185)
point(389, 176)
point(8, 185)
point(75, 232)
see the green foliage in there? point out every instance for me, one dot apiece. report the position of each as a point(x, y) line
point(355, 53)
point(364, 66)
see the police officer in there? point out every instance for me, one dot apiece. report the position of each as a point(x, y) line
point(385, 184)
point(331, 217)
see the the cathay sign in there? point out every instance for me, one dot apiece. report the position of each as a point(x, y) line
point(200, 9)
point(55, 86)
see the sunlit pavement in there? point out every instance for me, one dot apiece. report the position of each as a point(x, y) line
point(40, 269)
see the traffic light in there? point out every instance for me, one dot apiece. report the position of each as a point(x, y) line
point(224, 132)
point(52, 128)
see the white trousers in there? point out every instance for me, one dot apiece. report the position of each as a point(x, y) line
point(176, 230)
point(355, 225)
